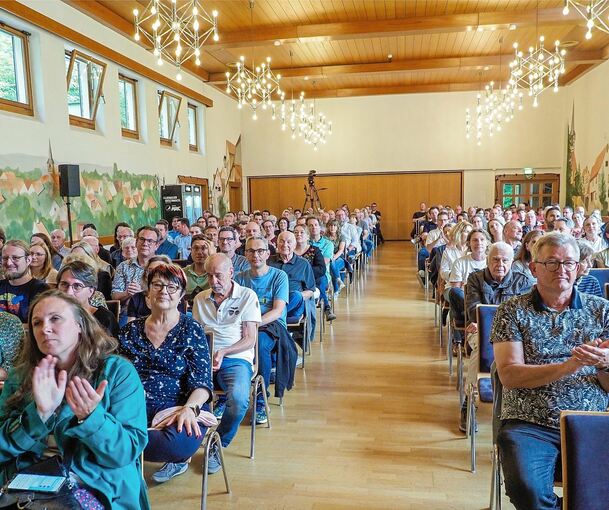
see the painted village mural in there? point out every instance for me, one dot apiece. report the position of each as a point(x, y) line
point(30, 200)
point(587, 186)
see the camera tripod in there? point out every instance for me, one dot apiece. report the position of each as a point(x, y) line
point(312, 198)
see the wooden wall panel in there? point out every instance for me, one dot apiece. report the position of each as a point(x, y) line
point(397, 194)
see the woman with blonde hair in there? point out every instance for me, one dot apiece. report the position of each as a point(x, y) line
point(456, 247)
point(104, 270)
point(41, 266)
point(87, 249)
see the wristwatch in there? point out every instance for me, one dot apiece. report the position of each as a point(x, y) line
point(196, 408)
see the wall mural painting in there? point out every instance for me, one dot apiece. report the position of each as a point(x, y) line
point(587, 186)
point(30, 200)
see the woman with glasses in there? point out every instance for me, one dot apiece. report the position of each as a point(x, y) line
point(40, 237)
point(41, 266)
point(79, 280)
point(169, 351)
point(104, 270)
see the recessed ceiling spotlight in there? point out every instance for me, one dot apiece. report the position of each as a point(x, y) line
point(512, 26)
point(277, 43)
point(469, 28)
point(389, 57)
point(486, 68)
point(306, 78)
point(480, 29)
point(493, 29)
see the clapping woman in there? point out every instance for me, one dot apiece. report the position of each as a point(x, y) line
point(68, 392)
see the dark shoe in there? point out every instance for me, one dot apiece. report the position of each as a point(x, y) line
point(330, 316)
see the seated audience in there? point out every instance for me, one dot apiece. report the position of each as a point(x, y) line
point(578, 225)
point(584, 282)
point(512, 234)
point(231, 313)
point(567, 213)
point(282, 225)
point(121, 231)
point(550, 216)
point(211, 232)
point(562, 225)
point(11, 333)
point(196, 276)
point(117, 256)
point(227, 244)
point(128, 278)
point(79, 280)
point(530, 222)
point(82, 247)
point(455, 248)
point(349, 232)
point(495, 229)
point(436, 237)
point(337, 264)
point(183, 240)
point(41, 266)
point(58, 241)
point(170, 353)
point(326, 248)
point(72, 394)
point(272, 287)
point(524, 257)
point(493, 285)
point(39, 238)
point(252, 229)
point(19, 288)
point(592, 234)
point(195, 230)
point(165, 247)
point(269, 232)
point(545, 368)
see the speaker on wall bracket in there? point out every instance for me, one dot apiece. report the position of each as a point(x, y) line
point(69, 186)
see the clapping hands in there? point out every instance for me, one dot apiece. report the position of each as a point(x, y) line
point(594, 353)
point(49, 389)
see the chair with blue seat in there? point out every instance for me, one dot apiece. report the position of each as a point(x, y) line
point(482, 388)
point(583, 446)
point(601, 274)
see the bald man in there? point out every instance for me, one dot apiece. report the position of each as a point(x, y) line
point(252, 229)
point(231, 312)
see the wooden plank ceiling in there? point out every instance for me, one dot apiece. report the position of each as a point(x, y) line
point(340, 48)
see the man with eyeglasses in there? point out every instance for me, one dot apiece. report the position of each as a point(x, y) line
point(231, 312)
point(19, 288)
point(490, 286)
point(252, 229)
point(128, 277)
point(550, 357)
point(272, 288)
point(227, 244)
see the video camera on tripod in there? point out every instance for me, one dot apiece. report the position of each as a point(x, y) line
point(311, 195)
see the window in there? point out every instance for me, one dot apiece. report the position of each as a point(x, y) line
point(169, 106)
point(539, 191)
point(85, 77)
point(15, 81)
point(127, 98)
point(193, 128)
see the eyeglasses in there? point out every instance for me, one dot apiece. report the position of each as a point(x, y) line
point(158, 287)
point(260, 251)
point(553, 265)
point(226, 239)
point(76, 287)
point(145, 240)
point(13, 258)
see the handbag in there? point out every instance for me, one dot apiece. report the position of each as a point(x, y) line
point(61, 500)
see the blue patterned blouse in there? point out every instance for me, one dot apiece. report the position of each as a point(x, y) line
point(172, 372)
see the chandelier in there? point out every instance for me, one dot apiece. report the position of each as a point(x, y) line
point(316, 127)
point(537, 70)
point(593, 11)
point(176, 33)
point(253, 88)
point(292, 114)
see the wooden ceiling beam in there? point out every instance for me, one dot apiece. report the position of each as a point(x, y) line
point(419, 64)
point(263, 36)
point(110, 19)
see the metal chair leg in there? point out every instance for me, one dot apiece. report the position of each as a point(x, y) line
point(212, 439)
point(472, 430)
point(495, 502)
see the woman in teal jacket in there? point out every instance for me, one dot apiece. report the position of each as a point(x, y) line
point(68, 392)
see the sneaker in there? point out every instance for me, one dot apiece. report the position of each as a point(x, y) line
point(219, 408)
point(261, 417)
point(341, 285)
point(213, 464)
point(169, 470)
point(299, 361)
point(330, 316)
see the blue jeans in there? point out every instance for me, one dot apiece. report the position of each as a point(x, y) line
point(530, 455)
point(421, 256)
point(367, 247)
point(322, 285)
point(266, 346)
point(456, 298)
point(336, 266)
point(296, 305)
point(169, 445)
point(234, 377)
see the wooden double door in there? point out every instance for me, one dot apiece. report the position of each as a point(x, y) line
point(397, 194)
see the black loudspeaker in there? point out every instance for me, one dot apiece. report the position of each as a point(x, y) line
point(69, 180)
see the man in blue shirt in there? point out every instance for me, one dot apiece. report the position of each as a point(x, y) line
point(175, 228)
point(327, 250)
point(184, 240)
point(165, 247)
point(272, 288)
point(227, 244)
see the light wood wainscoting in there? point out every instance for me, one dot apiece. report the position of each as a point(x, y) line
point(397, 194)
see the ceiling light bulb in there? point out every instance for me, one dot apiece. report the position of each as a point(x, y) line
point(588, 34)
point(565, 10)
point(216, 37)
point(160, 61)
point(136, 12)
point(179, 76)
point(214, 13)
point(137, 36)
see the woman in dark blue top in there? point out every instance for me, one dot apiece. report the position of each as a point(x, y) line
point(170, 353)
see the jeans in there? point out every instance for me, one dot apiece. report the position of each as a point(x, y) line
point(456, 298)
point(421, 256)
point(336, 266)
point(169, 445)
point(367, 246)
point(234, 378)
point(296, 305)
point(266, 346)
point(322, 285)
point(530, 455)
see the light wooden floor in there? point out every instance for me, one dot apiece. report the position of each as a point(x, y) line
point(371, 423)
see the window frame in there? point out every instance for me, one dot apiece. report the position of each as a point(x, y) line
point(16, 106)
point(194, 147)
point(76, 120)
point(130, 133)
point(168, 142)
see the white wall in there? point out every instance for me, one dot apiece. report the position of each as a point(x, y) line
point(106, 146)
point(412, 132)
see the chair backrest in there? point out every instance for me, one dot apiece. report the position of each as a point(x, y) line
point(114, 305)
point(606, 290)
point(601, 274)
point(484, 316)
point(210, 343)
point(583, 446)
point(497, 399)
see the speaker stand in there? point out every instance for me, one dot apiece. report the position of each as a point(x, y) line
point(67, 200)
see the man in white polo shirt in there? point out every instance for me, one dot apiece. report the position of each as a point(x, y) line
point(231, 313)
